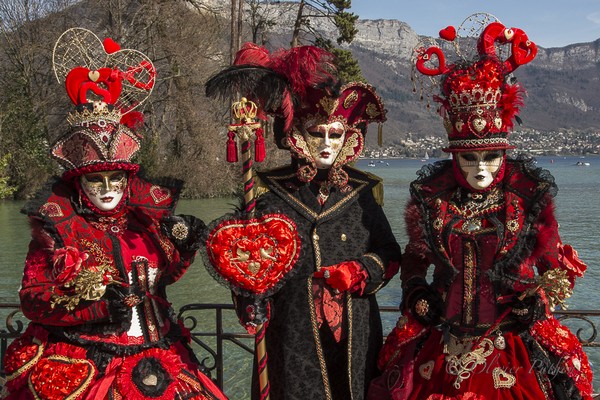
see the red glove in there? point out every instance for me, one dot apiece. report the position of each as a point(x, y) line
point(347, 275)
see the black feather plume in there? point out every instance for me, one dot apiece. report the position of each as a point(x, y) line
point(259, 84)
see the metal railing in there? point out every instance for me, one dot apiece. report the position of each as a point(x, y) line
point(212, 326)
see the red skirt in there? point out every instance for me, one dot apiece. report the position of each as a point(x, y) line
point(493, 368)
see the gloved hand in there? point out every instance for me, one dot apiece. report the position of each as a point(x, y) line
point(120, 299)
point(425, 304)
point(252, 311)
point(347, 275)
point(186, 232)
point(527, 310)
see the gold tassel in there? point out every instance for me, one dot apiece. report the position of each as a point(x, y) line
point(380, 135)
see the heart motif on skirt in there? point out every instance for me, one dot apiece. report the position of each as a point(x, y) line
point(254, 254)
point(59, 377)
point(426, 370)
point(503, 379)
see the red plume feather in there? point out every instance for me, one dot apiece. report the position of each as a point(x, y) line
point(252, 54)
point(511, 102)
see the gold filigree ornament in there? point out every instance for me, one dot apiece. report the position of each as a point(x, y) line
point(329, 104)
point(513, 225)
point(557, 287)
point(372, 110)
point(350, 99)
point(463, 365)
point(348, 149)
point(180, 231)
point(87, 285)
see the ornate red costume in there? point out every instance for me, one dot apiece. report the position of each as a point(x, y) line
point(105, 244)
point(483, 328)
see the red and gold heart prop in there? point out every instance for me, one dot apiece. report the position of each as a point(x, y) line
point(59, 377)
point(254, 254)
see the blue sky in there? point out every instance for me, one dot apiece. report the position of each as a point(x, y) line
point(549, 23)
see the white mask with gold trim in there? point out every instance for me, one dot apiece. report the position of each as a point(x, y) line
point(325, 141)
point(105, 189)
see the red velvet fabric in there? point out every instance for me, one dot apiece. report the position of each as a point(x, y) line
point(513, 360)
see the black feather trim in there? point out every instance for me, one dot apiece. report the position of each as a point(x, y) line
point(259, 84)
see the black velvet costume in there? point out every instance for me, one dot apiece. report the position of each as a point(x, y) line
point(304, 361)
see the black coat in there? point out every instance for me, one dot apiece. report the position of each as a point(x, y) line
point(305, 362)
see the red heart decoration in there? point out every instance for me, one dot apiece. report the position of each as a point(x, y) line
point(523, 49)
point(58, 377)
point(159, 194)
point(448, 33)
point(110, 46)
point(78, 83)
point(426, 58)
point(254, 254)
point(21, 355)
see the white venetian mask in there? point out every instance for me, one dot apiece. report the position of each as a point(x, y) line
point(104, 188)
point(480, 168)
point(325, 142)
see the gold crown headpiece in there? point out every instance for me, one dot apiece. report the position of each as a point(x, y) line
point(99, 113)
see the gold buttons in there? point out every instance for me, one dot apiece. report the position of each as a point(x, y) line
point(343, 237)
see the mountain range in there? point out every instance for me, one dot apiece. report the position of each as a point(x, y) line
point(562, 84)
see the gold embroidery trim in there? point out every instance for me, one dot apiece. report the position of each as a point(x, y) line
point(468, 283)
point(337, 206)
point(143, 279)
point(350, 99)
point(51, 210)
point(349, 306)
point(317, 339)
point(378, 261)
point(372, 110)
point(317, 248)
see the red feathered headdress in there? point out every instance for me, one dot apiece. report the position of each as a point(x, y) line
point(479, 97)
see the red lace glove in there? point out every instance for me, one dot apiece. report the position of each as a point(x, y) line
point(347, 275)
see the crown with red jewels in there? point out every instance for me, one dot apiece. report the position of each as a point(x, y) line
point(478, 96)
point(106, 83)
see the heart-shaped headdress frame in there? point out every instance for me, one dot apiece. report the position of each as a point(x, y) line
point(86, 65)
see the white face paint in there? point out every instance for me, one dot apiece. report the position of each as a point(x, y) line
point(325, 142)
point(105, 188)
point(480, 167)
